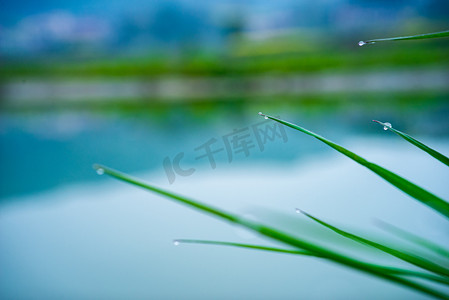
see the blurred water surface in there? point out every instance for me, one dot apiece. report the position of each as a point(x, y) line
point(105, 239)
point(43, 150)
point(67, 232)
point(170, 91)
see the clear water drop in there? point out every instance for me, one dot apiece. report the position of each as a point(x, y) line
point(176, 242)
point(297, 210)
point(387, 126)
point(361, 43)
point(262, 114)
point(100, 171)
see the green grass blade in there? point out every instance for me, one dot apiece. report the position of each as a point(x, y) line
point(276, 234)
point(249, 246)
point(442, 158)
point(404, 185)
point(411, 237)
point(428, 276)
point(411, 37)
point(398, 271)
point(412, 259)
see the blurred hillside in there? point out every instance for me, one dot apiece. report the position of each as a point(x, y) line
point(95, 29)
point(142, 52)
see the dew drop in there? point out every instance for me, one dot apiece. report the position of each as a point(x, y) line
point(297, 210)
point(265, 116)
point(176, 242)
point(387, 126)
point(100, 171)
point(361, 43)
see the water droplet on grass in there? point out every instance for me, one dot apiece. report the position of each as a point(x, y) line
point(297, 210)
point(265, 116)
point(363, 43)
point(387, 126)
point(176, 242)
point(100, 171)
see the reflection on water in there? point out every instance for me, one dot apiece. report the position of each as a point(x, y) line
point(111, 240)
point(67, 232)
point(40, 151)
point(43, 151)
point(175, 88)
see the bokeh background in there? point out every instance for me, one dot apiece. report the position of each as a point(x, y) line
point(147, 87)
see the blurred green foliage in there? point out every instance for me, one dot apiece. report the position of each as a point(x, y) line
point(244, 57)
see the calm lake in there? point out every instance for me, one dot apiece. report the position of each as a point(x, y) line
point(66, 232)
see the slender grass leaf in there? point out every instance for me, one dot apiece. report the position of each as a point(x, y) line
point(411, 37)
point(428, 276)
point(411, 237)
point(275, 234)
point(412, 259)
point(239, 245)
point(401, 183)
point(392, 270)
point(442, 158)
